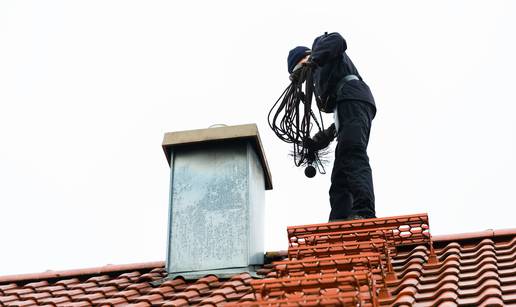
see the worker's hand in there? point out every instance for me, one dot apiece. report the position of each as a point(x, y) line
point(314, 144)
point(304, 60)
point(299, 75)
point(306, 63)
point(323, 138)
point(309, 144)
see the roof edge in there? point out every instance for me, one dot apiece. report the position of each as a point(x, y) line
point(489, 233)
point(110, 268)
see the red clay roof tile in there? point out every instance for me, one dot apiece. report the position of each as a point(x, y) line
point(128, 294)
point(37, 284)
point(106, 290)
point(6, 287)
point(70, 293)
point(509, 297)
point(98, 279)
point(165, 291)
point(187, 295)
point(19, 291)
point(216, 299)
point(64, 282)
point(92, 297)
point(178, 282)
point(22, 303)
point(387, 262)
point(35, 296)
point(131, 275)
point(176, 303)
point(117, 282)
point(79, 304)
point(150, 298)
point(82, 286)
point(58, 300)
point(142, 288)
point(114, 301)
point(224, 291)
point(5, 298)
point(199, 287)
point(51, 288)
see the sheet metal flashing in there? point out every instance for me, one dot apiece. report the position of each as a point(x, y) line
point(219, 134)
point(221, 274)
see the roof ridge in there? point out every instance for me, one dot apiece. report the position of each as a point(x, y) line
point(489, 233)
point(110, 268)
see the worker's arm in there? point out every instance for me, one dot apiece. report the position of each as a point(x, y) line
point(327, 47)
point(323, 138)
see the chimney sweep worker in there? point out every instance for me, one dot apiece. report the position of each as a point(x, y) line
point(341, 91)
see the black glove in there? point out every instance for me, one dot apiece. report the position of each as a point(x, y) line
point(322, 139)
point(299, 75)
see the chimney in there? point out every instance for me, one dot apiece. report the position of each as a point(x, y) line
point(218, 178)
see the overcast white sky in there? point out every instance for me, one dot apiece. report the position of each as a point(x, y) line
point(88, 88)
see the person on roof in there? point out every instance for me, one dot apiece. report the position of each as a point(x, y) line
point(341, 90)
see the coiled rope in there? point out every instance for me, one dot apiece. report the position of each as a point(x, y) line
point(291, 118)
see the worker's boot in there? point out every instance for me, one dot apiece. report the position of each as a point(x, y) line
point(349, 218)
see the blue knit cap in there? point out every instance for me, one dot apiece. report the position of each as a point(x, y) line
point(295, 55)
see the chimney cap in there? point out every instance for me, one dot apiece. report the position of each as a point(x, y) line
point(217, 134)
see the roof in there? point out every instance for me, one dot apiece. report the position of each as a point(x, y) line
point(377, 262)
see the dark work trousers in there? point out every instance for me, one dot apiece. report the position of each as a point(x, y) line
point(351, 191)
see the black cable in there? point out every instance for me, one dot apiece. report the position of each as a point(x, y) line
point(291, 119)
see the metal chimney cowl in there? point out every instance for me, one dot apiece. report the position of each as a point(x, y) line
point(218, 178)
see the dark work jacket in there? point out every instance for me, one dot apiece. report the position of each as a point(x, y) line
point(332, 64)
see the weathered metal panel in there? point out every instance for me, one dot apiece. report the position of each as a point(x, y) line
point(170, 205)
point(209, 216)
point(217, 134)
point(256, 207)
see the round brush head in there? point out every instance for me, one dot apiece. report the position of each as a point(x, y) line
point(310, 171)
